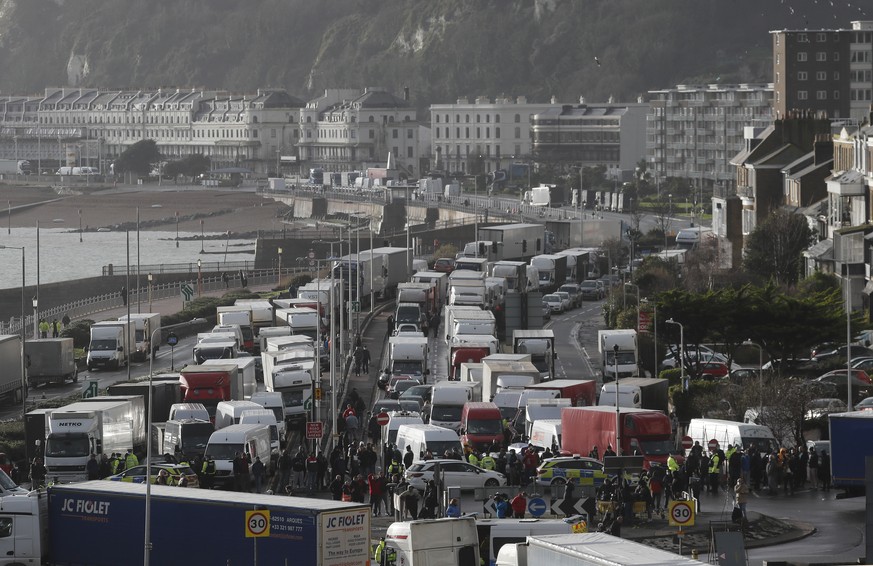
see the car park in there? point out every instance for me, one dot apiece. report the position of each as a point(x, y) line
point(587, 472)
point(136, 474)
point(566, 299)
point(555, 303)
point(590, 290)
point(454, 473)
point(575, 293)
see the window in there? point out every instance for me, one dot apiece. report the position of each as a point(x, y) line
point(802, 38)
point(372, 134)
point(409, 152)
point(821, 95)
point(273, 133)
point(497, 118)
point(5, 527)
point(478, 118)
point(821, 76)
point(518, 118)
point(801, 75)
point(836, 75)
point(496, 132)
point(467, 118)
point(801, 55)
point(836, 56)
point(821, 37)
point(801, 95)
point(394, 133)
point(517, 132)
point(836, 95)
point(395, 151)
point(821, 56)
point(409, 133)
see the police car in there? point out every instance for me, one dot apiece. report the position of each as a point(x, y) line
point(587, 472)
point(136, 474)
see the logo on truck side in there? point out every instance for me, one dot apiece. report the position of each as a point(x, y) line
point(71, 423)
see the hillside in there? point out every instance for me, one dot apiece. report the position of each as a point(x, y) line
point(441, 49)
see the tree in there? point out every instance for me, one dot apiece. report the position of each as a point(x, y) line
point(774, 248)
point(138, 158)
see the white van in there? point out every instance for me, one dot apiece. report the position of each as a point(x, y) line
point(228, 412)
point(272, 400)
point(734, 433)
point(395, 420)
point(546, 433)
point(267, 418)
point(252, 440)
point(182, 411)
point(424, 437)
point(446, 404)
point(246, 369)
point(494, 533)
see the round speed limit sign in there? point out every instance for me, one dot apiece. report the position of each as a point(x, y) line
point(257, 524)
point(681, 513)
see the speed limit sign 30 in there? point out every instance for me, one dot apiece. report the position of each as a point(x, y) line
point(681, 513)
point(257, 524)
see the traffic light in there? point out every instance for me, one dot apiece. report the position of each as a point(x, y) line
point(482, 249)
point(524, 246)
point(539, 244)
point(494, 247)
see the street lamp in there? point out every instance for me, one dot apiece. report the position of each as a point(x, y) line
point(177, 228)
point(617, 410)
point(148, 463)
point(749, 342)
point(279, 284)
point(201, 237)
point(199, 277)
point(681, 350)
point(23, 338)
point(150, 291)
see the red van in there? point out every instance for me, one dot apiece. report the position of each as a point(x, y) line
point(481, 425)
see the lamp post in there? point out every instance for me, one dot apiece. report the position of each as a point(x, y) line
point(681, 350)
point(199, 277)
point(23, 338)
point(80, 225)
point(177, 228)
point(148, 463)
point(617, 410)
point(279, 283)
point(760, 375)
point(150, 291)
point(35, 302)
point(201, 237)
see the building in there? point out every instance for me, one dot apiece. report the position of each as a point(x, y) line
point(590, 135)
point(693, 131)
point(824, 70)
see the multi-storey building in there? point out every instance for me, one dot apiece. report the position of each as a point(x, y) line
point(826, 70)
point(693, 131)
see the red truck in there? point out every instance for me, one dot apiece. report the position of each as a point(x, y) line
point(467, 353)
point(210, 385)
point(580, 392)
point(643, 432)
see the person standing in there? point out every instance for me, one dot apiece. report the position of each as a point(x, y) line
point(37, 473)
point(813, 468)
point(741, 494)
point(453, 509)
point(824, 470)
point(56, 328)
point(124, 295)
point(311, 473)
point(130, 460)
point(43, 328)
point(93, 467)
point(241, 472)
point(259, 471)
point(207, 474)
point(365, 360)
point(66, 320)
point(519, 505)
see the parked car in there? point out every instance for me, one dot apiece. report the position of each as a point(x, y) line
point(566, 299)
point(823, 407)
point(865, 364)
point(713, 369)
point(555, 302)
point(575, 293)
point(136, 474)
point(556, 471)
point(423, 391)
point(388, 405)
point(444, 265)
point(590, 290)
point(455, 473)
point(391, 390)
point(842, 352)
point(865, 404)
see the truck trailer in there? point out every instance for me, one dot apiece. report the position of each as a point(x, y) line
point(145, 326)
point(210, 385)
point(50, 360)
point(851, 444)
point(540, 344)
point(587, 549)
point(52, 525)
point(639, 392)
point(495, 370)
point(618, 353)
point(519, 240)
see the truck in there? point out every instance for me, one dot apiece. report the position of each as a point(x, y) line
point(36, 429)
point(539, 196)
point(271, 332)
point(540, 344)
point(851, 444)
point(646, 432)
point(440, 282)
point(51, 525)
point(580, 392)
point(164, 394)
point(618, 353)
point(514, 272)
point(493, 370)
point(110, 344)
point(469, 350)
point(262, 312)
point(467, 288)
point(586, 549)
point(640, 392)
point(145, 326)
point(210, 385)
point(424, 294)
point(396, 269)
point(542, 409)
point(245, 373)
point(242, 316)
point(432, 541)
point(301, 320)
point(91, 427)
point(186, 438)
point(519, 240)
point(463, 319)
point(479, 264)
point(552, 270)
point(49, 360)
point(366, 272)
point(485, 250)
point(291, 374)
point(408, 355)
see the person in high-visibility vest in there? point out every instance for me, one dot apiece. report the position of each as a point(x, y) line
point(380, 550)
point(130, 460)
point(714, 471)
point(207, 474)
point(672, 465)
point(473, 459)
point(486, 462)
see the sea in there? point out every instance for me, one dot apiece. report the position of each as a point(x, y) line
point(62, 257)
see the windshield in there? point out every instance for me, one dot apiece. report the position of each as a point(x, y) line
point(484, 426)
point(140, 335)
point(540, 362)
point(102, 345)
point(407, 314)
point(195, 436)
point(508, 413)
point(280, 414)
point(441, 446)
point(569, 289)
point(293, 398)
point(588, 285)
point(223, 451)
point(67, 446)
point(450, 413)
point(6, 482)
point(624, 358)
point(657, 447)
point(545, 276)
point(406, 367)
point(203, 354)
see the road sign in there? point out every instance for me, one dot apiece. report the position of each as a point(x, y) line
point(382, 419)
point(687, 443)
point(172, 339)
point(490, 506)
point(318, 393)
point(356, 306)
point(257, 524)
point(712, 445)
point(314, 430)
point(311, 254)
point(307, 405)
point(537, 506)
point(681, 513)
point(645, 321)
point(571, 506)
point(187, 292)
point(90, 389)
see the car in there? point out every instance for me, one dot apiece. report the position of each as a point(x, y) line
point(713, 369)
point(590, 290)
point(392, 384)
point(407, 329)
point(744, 375)
point(136, 474)
point(417, 398)
point(836, 385)
point(865, 364)
point(555, 302)
point(574, 291)
point(402, 385)
point(860, 375)
point(423, 391)
point(865, 404)
point(547, 311)
point(823, 407)
point(842, 352)
point(556, 471)
point(566, 299)
point(455, 473)
point(705, 354)
point(444, 265)
point(603, 286)
point(389, 405)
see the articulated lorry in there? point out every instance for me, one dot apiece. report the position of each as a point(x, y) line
point(470, 349)
point(644, 432)
point(145, 326)
point(291, 374)
point(262, 312)
point(578, 263)
point(364, 271)
point(580, 392)
point(91, 427)
point(552, 270)
point(514, 272)
point(540, 344)
point(639, 392)
point(210, 385)
point(440, 281)
point(49, 360)
point(460, 320)
point(467, 288)
point(164, 394)
point(50, 527)
point(618, 353)
point(111, 344)
point(12, 385)
point(519, 240)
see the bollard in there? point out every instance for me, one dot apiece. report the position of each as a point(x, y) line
point(694, 554)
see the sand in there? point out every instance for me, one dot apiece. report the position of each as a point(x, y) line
point(222, 210)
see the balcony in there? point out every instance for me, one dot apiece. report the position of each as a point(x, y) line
point(745, 192)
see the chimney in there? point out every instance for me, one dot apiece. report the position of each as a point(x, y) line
point(823, 149)
point(406, 93)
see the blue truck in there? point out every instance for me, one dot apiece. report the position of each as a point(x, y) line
point(188, 526)
point(851, 443)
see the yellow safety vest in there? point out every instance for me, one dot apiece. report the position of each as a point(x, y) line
point(713, 465)
point(671, 464)
point(473, 459)
point(130, 461)
point(487, 463)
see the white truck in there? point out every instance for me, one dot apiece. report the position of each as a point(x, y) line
point(440, 281)
point(539, 196)
point(272, 401)
point(91, 427)
point(144, 324)
point(439, 541)
point(271, 332)
point(292, 375)
point(301, 320)
point(468, 320)
point(618, 353)
point(408, 355)
point(494, 370)
point(467, 288)
point(262, 312)
point(519, 240)
point(540, 344)
point(229, 412)
point(49, 360)
point(242, 317)
point(586, 549)
point(513, 272)
point(245, 373)
point(421, 293)
point(11, 382)
point(552, 271)
point(216, 348)
point(110, 344)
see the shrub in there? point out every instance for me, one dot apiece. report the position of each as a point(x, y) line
point(79, 331)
